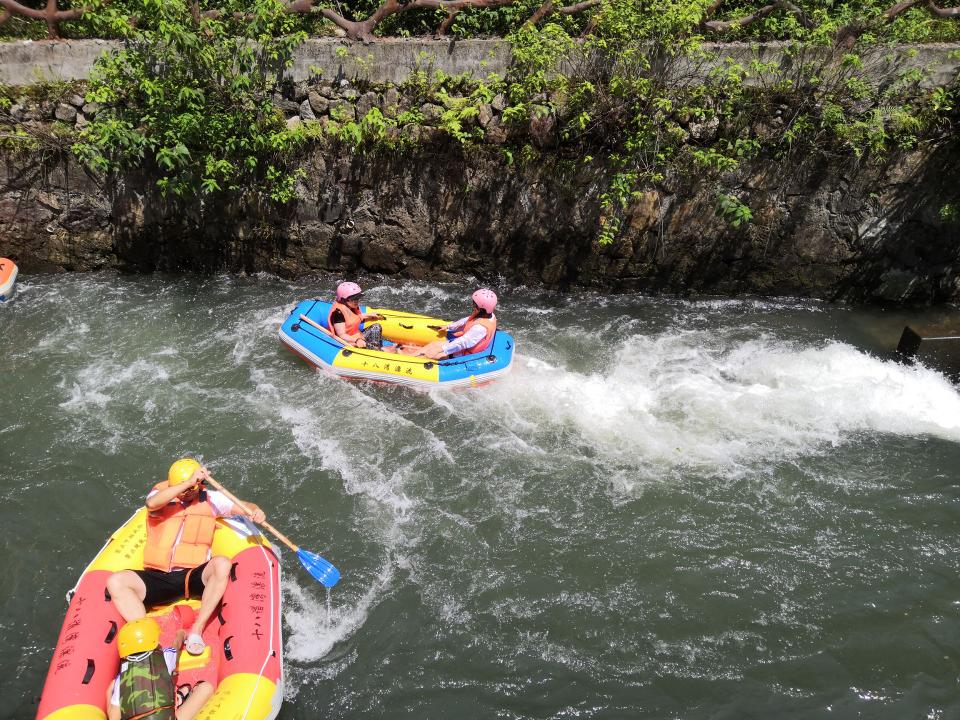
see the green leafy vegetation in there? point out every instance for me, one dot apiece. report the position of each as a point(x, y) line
point(634, 88)
point(189, 98)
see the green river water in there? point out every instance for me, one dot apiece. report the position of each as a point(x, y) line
point(670, 508)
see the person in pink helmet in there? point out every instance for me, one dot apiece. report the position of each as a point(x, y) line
point(345, 319)
point(472, 334)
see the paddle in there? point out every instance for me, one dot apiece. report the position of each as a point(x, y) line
point(321, 569)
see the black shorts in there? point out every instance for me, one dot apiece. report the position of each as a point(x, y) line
point(164, 587)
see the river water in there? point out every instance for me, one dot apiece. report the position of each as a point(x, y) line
point(670, 509)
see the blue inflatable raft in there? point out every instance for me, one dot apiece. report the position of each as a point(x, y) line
point(305, 332)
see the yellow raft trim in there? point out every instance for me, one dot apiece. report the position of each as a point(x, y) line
point(124, 551)
point(77, 712)
point(373, 361)
point(239, 696)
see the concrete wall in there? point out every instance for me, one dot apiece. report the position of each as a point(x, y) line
point(393, 60)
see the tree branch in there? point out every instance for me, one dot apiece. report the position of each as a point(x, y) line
point(578, 7)
point(723, 25)
point(848, 35)
point(49, 14)
point(548, 8)
point(363, 29)
point(444, 27)
point(943, 12)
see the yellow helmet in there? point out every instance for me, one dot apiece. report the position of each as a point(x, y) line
point(181, 470)
point(138, 636)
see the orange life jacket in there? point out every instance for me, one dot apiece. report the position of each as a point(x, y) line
point(194, 524)
point(489, 325)
point(351, 320)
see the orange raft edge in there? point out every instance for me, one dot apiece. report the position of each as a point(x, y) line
point(8, 278)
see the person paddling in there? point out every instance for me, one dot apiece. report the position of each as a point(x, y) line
point(472, 334)
point(146, 684)
point(345, 319)
point(177, 556)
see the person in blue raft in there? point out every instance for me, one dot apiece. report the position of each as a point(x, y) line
point(346, 317)
point(472, 334)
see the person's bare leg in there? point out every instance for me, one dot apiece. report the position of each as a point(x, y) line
point(215, 577)
point(127, 591)
point(195, 701)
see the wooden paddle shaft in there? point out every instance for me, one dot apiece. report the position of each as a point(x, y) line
point(318, 326)
point(233, 498)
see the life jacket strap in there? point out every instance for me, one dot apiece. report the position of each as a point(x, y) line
point(150, 712)
point(186, 584)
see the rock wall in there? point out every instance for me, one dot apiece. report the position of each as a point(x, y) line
point(838, 229)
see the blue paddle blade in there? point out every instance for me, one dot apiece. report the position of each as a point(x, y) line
point(322, 570)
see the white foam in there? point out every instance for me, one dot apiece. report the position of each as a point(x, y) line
point(690, 399)
point(313, 628)
point(95, 383)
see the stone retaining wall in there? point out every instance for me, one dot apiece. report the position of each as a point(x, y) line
point(836, 229)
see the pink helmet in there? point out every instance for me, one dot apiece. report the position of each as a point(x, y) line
point(348, 289)
point(485, 300)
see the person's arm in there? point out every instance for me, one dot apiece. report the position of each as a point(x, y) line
point(340, 330)
point(113, 699)
point(251, 510)
point(473, 336)
point(162, 498)
point(225, 507)
point(454, 326)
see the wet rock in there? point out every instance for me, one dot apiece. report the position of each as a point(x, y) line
point(343, 111)
point(485, 115)
point(543, 130)
point(66, 113)
point(318, 103)
point(706, 130)
point(431, 113)
point(496, 133)
point(391, 100)
point(366, 103)
point(382, 256)
point(289, 107)
point(306, 111)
